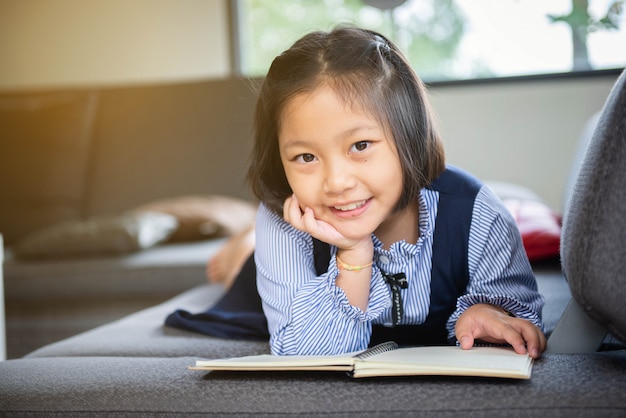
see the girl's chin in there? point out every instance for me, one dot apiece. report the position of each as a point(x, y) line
point(353, 230)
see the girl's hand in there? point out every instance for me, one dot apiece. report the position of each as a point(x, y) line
point(356, 252)
point(305, 220)
point(491, 324)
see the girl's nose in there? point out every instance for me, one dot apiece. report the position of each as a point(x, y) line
point(339, 177)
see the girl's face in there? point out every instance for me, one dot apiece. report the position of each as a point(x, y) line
point(340, 162)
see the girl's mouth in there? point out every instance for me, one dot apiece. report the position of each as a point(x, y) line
point(351, 206)
point(350, 209)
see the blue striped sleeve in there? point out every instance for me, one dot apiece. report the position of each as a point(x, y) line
point(306, 313)
point(500, 273)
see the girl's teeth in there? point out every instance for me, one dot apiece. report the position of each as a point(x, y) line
point(351, 206)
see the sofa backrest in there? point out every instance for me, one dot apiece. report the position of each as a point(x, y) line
point(45, 142)
point(163, 141)
point(72, 154)
point(594, 225)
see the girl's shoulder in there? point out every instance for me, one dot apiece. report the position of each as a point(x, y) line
point(266, 218)
point(270, 224)
point(458, 182)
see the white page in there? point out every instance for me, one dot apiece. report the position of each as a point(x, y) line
point(449, 357)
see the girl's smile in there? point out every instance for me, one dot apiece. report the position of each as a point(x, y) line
point(340, 162)
point(350, 210)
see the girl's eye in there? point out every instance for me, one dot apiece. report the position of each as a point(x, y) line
point(361, 146)
point(305, 158)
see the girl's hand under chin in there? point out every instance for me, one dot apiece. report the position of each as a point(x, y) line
point(355, 252)
point(305, 220)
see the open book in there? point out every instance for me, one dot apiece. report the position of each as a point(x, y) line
point(388, 359)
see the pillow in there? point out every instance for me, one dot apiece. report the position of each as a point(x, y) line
point(45, 142)
point(204, 216)
point(538, 224)
point(98, 236)
point(506, 191)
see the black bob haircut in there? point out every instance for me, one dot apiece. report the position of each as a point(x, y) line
point(363, 68)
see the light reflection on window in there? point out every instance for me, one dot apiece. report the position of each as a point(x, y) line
point(450, 39)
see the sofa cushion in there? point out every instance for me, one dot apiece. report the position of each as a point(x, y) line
point(98, 236)
point(162, 271)
point(44, 154)
point(538, 224)
point(143, 365)
point(204, 216)
point(562, 385)
point(144, 334)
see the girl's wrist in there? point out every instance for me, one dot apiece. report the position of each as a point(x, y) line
point(341, 265)
point(355, 259)
point(355, 272)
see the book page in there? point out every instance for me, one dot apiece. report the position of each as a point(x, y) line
point(341, 362)
point(447, 360)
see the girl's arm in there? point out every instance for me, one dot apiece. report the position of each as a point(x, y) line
point(354, 276)
point(306, 313)
point(500, 275)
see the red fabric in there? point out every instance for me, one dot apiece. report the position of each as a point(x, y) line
point(539, 225)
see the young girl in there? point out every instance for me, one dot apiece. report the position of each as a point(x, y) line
point(363, 233)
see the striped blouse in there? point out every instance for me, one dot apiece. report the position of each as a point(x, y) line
point(308, 314)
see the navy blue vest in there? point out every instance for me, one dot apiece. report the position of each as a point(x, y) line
point(239, 313)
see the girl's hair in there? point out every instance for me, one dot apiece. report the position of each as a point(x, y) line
point(366, 69)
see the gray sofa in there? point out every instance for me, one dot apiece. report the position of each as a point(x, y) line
point(78, 154)
point(136, 366)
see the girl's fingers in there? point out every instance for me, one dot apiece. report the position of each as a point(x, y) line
point(515, 338)
point(524, 337)
point(309, 221)
point(535, 340)
point(482, 322)
point(304, 220)
point(292, 213)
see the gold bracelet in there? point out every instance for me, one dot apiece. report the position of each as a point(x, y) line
point(349, 267)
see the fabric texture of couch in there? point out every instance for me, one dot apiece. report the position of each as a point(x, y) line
point(80, 160)
point(594, 226)
point(137, 366)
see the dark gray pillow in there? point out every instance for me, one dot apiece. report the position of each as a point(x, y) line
point(593, 244)
point(98, 236)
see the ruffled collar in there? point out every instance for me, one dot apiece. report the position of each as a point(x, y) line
point(427, 202)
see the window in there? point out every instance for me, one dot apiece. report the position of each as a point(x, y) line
point(450, 39)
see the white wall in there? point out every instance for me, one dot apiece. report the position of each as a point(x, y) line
point(52, 43)
point(524, 132)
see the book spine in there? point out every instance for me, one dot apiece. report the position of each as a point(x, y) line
point(377, 349)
